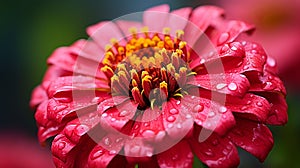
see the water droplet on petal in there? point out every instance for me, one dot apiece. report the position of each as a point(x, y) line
point(149, 153)
point(119, 140)
point(113, 119)
point(243, 108)
point(268, 86)
point(223, 38)
point(202, 61)
point(190, 155)
point(61, 145)
point(232, 86)
point(81, 129)
point(209, 152)
point(271, 62)
point(198, 108)
point(221, 85)
point(104, 115)
point(215, 142)
point(97, 154)
point(225, 152)
point(171, 119)
point(96, 99)
point(259, 104)
point(112, 152)
point(135, 149)
point(124, 113)
point(107, 141)
point(179, 126)
point(249, 102)
point(146, 124)
point(170, 125)
point(175, 157)
point(178, 102)
point(222, 109)
point(211, 114)
point(174, 111)
point(160, 135)
point(148, 134)
point(188, 116)
point(136, 126)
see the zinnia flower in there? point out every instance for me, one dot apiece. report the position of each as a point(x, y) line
point(178, 85)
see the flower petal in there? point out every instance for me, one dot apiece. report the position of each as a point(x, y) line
point(180, 155)
point(228, 83)
point(38, 96)
point(209, 114)
point(125, 25)
point(254, 137)
point(200, 20)
point(250, 106)
point(103, 32)
point(215, 151)
point(177, 20)
point(156, 17)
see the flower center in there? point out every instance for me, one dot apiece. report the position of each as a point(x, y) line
point(149, 69)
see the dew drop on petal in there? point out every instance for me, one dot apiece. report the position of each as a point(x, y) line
point(96, 99)
point(107, 141)
point(124, 113)
point(223, 38)
point(198, 108)
point(175, 157)
point(249, 102)
point(170, 125)
point(188, 116)
point(211, 114)
point(259, 104)
point(112, 152)
point(61, 145)
point(225, 152)
point(148, 134)
point(209, 152)
point(104, 115)
point(119, 140)
point(243, 108)
point(174, 111)
point(178, 102)
point(160, 135)
point(113, 119)
point(215, 142)
point(221, 86)
point(222, 109)
point(171, 119)
point(149, 153)
point(97, 154)
point(232, 86)
point(179, 126)
point(202, 61)
point(271, 62)
point(135, 149)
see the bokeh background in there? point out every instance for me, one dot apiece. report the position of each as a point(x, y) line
point(30, 30)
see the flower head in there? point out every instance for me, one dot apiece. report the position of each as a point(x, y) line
point(159, 92)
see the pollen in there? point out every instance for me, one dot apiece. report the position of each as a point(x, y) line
point(150, 68)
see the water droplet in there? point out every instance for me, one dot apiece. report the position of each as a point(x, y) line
point(270, 77)
point(112, 152)
point(268, 86)
point(193, 97)
point(234, 48)
point(198, 108)
point(254, 51)
point(225, 152)
point(271, 62)
point(249, 102)
point(221, 85)
point(222, 109)
point(202, 61)
point(124, 113)
point(223, 38)
point(148, 134)
point(136, 126)
point(232, 86)
point(113, 119)
point(259, 104)
point(243, 108)
point(209, 152)
point(104, 115)
point(174, 111)
point(97, 154)
point(170, 125)
point(244, 43)
point(175, 157)
point(178, 102)
point(119, 140)
point(190, 155)
point(207, 124)
point(215, 142)
point(149, 153)
point(188, 116)
point(61, 145)
point(211, 114)
point(171, 119)
point(160, 135)
point(81, 129)
point(179, 126)
point(96, 99)
point(146, 124)
point(107, 141)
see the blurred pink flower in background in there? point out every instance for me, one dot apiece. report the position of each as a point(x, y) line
point(277, 29)
point(20, 151)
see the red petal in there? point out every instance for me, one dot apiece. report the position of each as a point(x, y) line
point(90, 50)
point(224, 31)
point(216, 151)
point(177, 20)
point(250, 106)
point(278, 113)
point(117, 116)
point(208, 113)
point(156, 17)
point(38, 96)
point(179, 155)
point(254, 137)
point(73, 83)
point(229, 83)
point(103, 32)
point(200, 18)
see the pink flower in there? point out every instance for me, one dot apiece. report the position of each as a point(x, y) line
point(277, 29)
point(158, 97)
point(21, 151)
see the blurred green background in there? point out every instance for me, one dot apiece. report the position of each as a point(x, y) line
point(30, 30)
